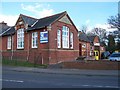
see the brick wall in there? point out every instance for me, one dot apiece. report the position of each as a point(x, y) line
point(95, 65)
point(4, 43)
point(85, 50)
point(61, 54)
point(46, 53)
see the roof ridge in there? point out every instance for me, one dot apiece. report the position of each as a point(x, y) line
point(28, 16)
point(53, 15)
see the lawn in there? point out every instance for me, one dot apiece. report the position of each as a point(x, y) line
point(21, 63)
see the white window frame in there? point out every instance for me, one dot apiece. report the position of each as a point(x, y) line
point(34, 40)
point(71, 40)
point(83, 45)
point(65, 37)
point(21, 22)
point(20, 38)
point(9, 42)
point(59, 39)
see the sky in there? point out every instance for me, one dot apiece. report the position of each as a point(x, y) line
point(91, 14)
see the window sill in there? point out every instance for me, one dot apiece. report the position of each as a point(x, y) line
point(34, 47)
point(20, 48)
point(9, 50)
point(58, 47)
point(66, 48)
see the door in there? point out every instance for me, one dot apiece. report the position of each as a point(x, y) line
point(96, 54)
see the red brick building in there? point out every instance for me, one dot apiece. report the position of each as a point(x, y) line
point(90, 46)
point(96, 47)
point(84, 45)
point(3, 28)
point(47, 40)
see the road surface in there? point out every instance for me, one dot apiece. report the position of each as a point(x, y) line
point(15, 79)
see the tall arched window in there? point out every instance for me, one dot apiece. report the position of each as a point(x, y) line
point(71, 40)
point(65, 37)
point(9, 42)
point(59, 39)
point(34, 40)
point(20, 38)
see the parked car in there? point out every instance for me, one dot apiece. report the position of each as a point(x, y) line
point(105, 55)
point(114, 57)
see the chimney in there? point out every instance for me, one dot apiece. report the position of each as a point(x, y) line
point(3, 26)
point(3, 23)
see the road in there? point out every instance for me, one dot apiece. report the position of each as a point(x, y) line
point(15, 79)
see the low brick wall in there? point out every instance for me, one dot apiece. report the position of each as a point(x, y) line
point(92, 64)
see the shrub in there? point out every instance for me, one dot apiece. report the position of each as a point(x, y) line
point(81, 58)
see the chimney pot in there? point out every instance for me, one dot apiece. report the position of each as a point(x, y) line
point(3, 23)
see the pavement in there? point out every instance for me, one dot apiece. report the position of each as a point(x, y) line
point(64, 71)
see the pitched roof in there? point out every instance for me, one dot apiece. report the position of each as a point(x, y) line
point(91, 38)
point(28, 20)
point(3, 28)
point(46, 21)
point(83, 37)
point(87, 38)
point(10, 31)
point(34, 23)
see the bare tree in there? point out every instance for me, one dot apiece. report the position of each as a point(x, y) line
point(99, 32)
point(84, 28)
point(115, 21)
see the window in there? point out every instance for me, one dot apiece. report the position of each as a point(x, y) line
point(20, 38)
point(90, 53)
point(65, 37)
point(84, 45)
point(102, 48)
point(20, 22)
point(71, 40)
point(34, 39)
point(9, 43)
point(96, 53)
point(59, 39)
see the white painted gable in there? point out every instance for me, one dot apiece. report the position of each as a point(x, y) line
point(65, 20)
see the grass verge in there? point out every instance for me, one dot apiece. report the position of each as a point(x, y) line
point(21, 63)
